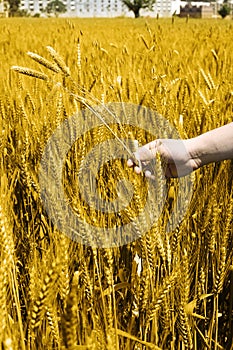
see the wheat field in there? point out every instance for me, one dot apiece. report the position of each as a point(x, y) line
point(164, 290)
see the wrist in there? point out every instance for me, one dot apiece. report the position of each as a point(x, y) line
point(204, 149)
point(195, 151)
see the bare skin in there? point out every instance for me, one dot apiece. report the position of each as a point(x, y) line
point(181, 157)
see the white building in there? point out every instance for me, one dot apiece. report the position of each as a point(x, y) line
point(167, 8)
point(102, 8)
point(4, 8)
point(79, 8)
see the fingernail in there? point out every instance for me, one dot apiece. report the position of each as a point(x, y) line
point(147, 173)
point(137, 170)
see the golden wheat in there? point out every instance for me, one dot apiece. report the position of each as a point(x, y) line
point(162, 291)
point(30, 72)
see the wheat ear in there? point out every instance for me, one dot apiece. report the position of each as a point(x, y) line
point(59, 61)
point(30, 72)
point(168, 283)
point(70, 319)
point(39, 306)
point(41, 60)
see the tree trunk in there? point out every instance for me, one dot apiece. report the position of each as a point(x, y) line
point(136, 13)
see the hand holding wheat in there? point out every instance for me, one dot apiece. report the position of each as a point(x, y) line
point(181, 157)
point(174, 155)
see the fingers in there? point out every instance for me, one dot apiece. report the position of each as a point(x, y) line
point(141, 167)
point(146, 153)
point(143, 157)
point(130, 163)
point(149, 175)
point(138, 170)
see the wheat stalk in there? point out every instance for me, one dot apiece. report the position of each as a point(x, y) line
point(79, 56)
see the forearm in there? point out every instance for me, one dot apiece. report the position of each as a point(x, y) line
point(213, 146)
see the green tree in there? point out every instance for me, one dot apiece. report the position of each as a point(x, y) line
point(225, 9)
point(13, 7)
point(56, 7)
point(136, 5)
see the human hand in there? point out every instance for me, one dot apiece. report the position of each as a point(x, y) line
point(177, 160)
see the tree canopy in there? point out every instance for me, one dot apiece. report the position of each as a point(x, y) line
point(225, 9)
point(137, 5)
point(56, 7)
point(13, 7)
